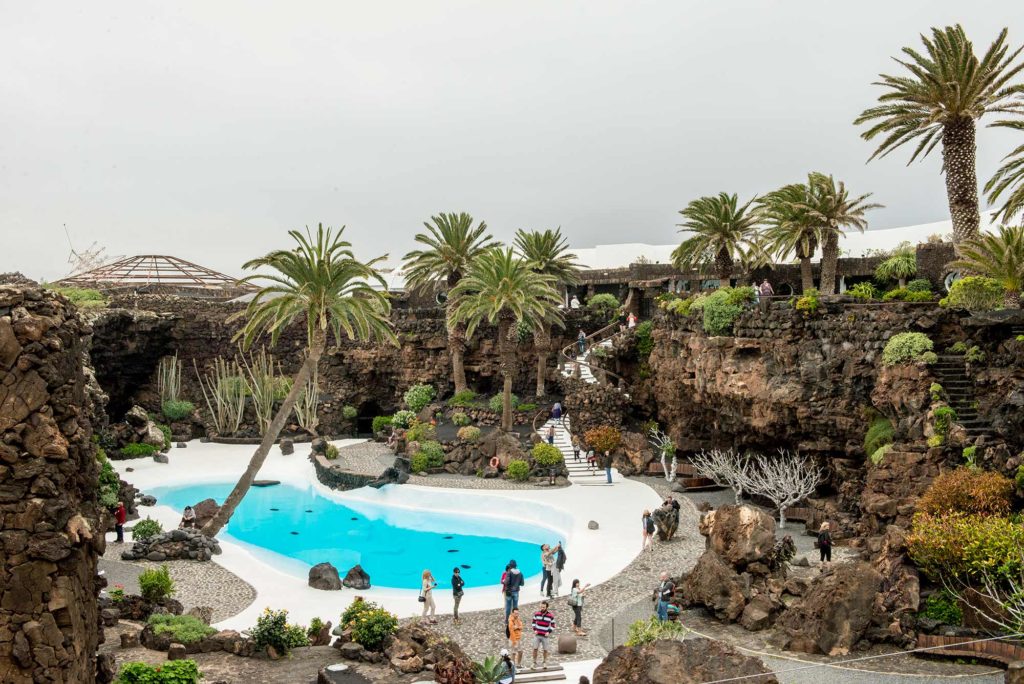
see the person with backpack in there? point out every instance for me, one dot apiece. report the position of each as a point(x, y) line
point(576, 603)
point(510, 586)
point(825, 543)
point(457, 591)
point(515, 636)
point(556, 571)
point(648, 528)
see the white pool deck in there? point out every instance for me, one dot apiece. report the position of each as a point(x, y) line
point(593, 555)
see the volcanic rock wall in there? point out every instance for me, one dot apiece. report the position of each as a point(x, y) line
point(51, 532)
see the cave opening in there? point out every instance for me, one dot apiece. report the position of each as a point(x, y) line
point(368, 410)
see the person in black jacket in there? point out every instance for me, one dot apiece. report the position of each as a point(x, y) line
point(510, 587)
point(825, 543)
point(457, 584)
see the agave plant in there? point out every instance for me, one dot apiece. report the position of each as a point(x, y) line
point(489, 671)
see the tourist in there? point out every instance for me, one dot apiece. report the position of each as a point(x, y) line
point(574, 303)
point(608, 465)
point(556, 570)
point(622, 320)
point(120, 517)
point(556, 411)
point(514, 629)
point(648, 526)
point(188, 518)
point(457, 584)
point(581, 341)
point(508, 668)
point(427, 596)
point(825, 543)
point(551, 434)
point(576, 603)
point(543, 626)
point(511, 583)
point(673, 505)
point(575, 448)
point(631, 320)
point(767, 292)
point(547, 560)
point(663, 595)
point(591, 460)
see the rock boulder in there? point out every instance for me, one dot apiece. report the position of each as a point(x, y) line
point(356, 578)
point(679, 662)
point(739, 534)
point(716, 585)
point(324, 576)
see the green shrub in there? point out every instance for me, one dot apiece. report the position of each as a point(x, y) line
point(935, 441)
point(418, 396)
point(936, 391)
point(970, 455)
point(961, 546)
point(156, 584)
point(722, 307)
point(331, 453)
point(975, 293)
point(679, 307)
point(644, 339)
point(944, 607)
point(420, 431)
point(968, 490)
point(82, 297)
point(380, 424)
point(469, 433)
point(546, 455)
point(904, 294)
point(184, 629)
point(144, 529)
point(495, 403)
point(460, 419)
point(929, 358)
point(354, 610)
point(272, 629)
point(402, 419)
point(603, 438)
point(944, 416)
point(419, 463)
point(1018, 477)
point(603, 302)
point(463, 398)
point(809, 303)
point(906, 347)
point(959, 347)
point(920, 285)
point(171, 672)
point(349, 412)
point(167, 435)
point(518, 470)
point(372, 627)
point(863, 291)
point(137, 450)
point(526, 407)
point(880, 432)
point(974, 355)
point(652, 629)
point(433, 452)
point(110, 483)
point(315, 625)
point(878, 455)
point(177, 409)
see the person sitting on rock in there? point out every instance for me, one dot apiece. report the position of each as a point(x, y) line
point(188, 519)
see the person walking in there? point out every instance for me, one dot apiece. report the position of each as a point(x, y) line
point(581, 341)
point(576, 603)
point(551, 434)
point(507, 674)
point(767, 292)
point(543, 625)
point(575, 448)
point(825, 543)
point(515, 636)
point(663, 595)
point(556, 570)
point(556, 411)
point(457, 591)
point(427, 596)
point(547, 561)
point(631, 320)
point(120, 518)
point(510, 586)
point(648, 527)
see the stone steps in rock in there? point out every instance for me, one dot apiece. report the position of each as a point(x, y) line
point(550, 673)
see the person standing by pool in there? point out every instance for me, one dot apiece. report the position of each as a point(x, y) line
point(508, 668)
point(543, 626)
point(556, 570)
point(576, 603)
point(120, 518)
point(663, 595)
point(648, 527)
point(510, 586)
point(427, 596)
point(457, 584)
point(547, 560)
point(515, 635)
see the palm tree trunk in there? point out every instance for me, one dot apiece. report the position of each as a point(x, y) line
point(829, 260)
point(806, 274)
point(723, 266)
point(1011, 300)
point(959, 156)
point(901, 283)
point(542, 342)
point(457, 349)
point(507, 362)
point(227, 509)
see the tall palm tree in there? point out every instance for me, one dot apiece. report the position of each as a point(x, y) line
point(451, 243)
point(789, 228)
point(722, 231)
point(832, 210)
point(547, 252)
point(1008, 179)
point(997, 256)
point(322, 282)
point(501, 289)
point(947, 90)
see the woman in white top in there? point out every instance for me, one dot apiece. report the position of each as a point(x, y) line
point(427, 596)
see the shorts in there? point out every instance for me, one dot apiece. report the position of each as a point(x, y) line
point(515, 645)
point(540, 642)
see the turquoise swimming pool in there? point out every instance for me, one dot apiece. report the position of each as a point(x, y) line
point(300, 528)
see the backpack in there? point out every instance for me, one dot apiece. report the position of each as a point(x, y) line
point(650, 525)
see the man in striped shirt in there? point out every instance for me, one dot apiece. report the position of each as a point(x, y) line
point(543, 625)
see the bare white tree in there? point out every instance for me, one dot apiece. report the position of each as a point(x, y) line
point(664, 445)
point(727, 468)
point(995, 596)
point(784, 480)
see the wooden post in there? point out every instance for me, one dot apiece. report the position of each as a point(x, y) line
point(1015, 673)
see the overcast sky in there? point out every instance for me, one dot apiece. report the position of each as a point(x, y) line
point(206, 130)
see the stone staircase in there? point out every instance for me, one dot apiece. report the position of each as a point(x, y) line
point(950, 373)
point(551, 673)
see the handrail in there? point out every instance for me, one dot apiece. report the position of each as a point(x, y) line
point(547, 412)
point(567, 358)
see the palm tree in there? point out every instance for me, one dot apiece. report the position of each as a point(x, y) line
point(832, 210)
point(546, 252)
point(948, 88)
point(899, 266)
point(997, 256)
point(321, 281)
point(1009, 179)
point(722, 231)
point(451, 244)
point(500, 288)
point(790, 229)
